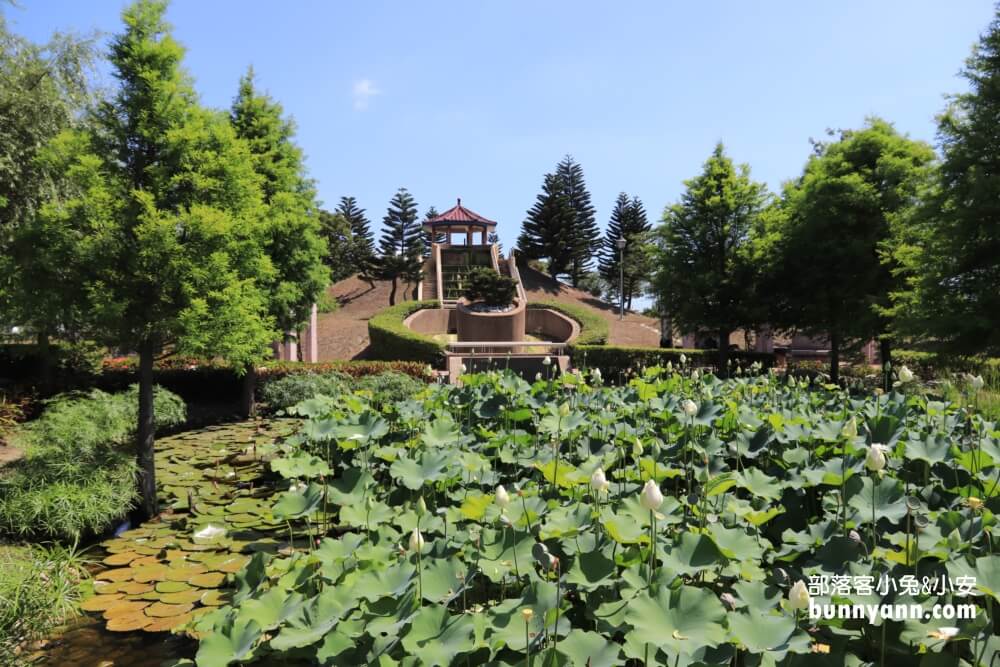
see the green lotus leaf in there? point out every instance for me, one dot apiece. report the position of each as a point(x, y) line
point(591, 570)
point(681, 621)
point(431, 467)
point(377, 583)
point(759, 484)
point(566, 521)
point(232, 640)
point(504, 553)
point(438, 637)
point(889, 501)
point(693, 553)
point(761, 632)
point(933, 448)
point(474, 505)
point(315, 618)
point(300, 464)
point(757, 596)
point(440, 432)
point(272, 608)
point(360, 515)
point(441, 577)
point(350, 487)
point(589, 649)
point(736, 543)
point(567, 473)
point(505, 625)
point(299, 503)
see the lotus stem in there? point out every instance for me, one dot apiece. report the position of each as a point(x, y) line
point(652, 547)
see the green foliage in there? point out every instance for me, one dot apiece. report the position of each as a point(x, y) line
point(336, 231)
point(79, 471)
point(393, 340)
point(401, 248)
point(284, 392)
point(39, 590)
point(470, 524)
point(705, 275)
point(327, 303)
point(949, 254)
point(486, 285)
point(829, 248)
point(390, 387)
point(628, 221)
point(362, 259)
point(617, 362)
point(561, 226)
point(593, 327)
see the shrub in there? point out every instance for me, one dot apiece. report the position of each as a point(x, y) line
point(593, 327)
point(390, 387)
point(39, 590)
point(280, 392)
point(391, 339)
point(615, 361)
point(78, 475)
point(490, 287)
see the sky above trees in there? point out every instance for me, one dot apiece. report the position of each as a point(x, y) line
point(479, 100)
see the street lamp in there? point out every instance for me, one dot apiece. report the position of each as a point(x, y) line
point(621, 276)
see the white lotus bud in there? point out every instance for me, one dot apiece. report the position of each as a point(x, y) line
point(464, 369)
point(651, 498)
point(416, 540)
point(850, 429)
point(905, 374)
point(798, 596)
point(670, 367)
point(695, 375)
point(564, 410)
point(637, 448)
point(502, 498)
point(598, 481)
point(547, 361)
point(689, 407)
point(976, 381)
point(421, 506)
point(946, 632)
point(538, 377)
point(683, 359)
point(875, 459)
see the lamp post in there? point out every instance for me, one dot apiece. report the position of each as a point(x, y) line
point(621, 276)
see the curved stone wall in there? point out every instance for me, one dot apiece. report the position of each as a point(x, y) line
point(497, 327)
point(551, 325)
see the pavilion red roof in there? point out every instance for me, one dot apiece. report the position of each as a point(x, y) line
point(460, 215)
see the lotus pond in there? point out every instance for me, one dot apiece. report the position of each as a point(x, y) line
point(671, 521)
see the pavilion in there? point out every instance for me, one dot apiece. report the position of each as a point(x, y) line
point(460, 220)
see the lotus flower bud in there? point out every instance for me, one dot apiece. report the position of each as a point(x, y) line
point(416, 540)
point(651, 498)
point(598, 481)
point(946, 632)
point(637, 448)
point(538, 377)
point(564, 410)
point(527, 614)
point(670, 367)
point(683, 359)
point(689, 407)
point(977, 382)
point(728, 600)
point(696, 375)
point(875, 460)
point(464, 369)
point(905, 375)
point(798, 596)
point(855, 536)
point(502, 498)
point(547, 361)
point(850, 429)
point(421, 505)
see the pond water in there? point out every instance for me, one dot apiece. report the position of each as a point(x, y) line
point(154, 580)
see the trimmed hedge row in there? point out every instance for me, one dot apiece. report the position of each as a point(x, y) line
point(593, 327)
point(615, 360)
point(934, 364)
point(390, 339)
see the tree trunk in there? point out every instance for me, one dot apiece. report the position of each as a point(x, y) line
point(45, 359)
point(146, 433)
point(835, 358)
point(723, 353)
point(392, 293)
point(248, 404)
point(885, 354)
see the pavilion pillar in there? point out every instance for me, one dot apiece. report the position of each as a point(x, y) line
point(468, 236)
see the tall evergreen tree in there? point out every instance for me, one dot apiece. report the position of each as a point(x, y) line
point(628, 220)
point(428, 237)
point(401, 247)
point(292, 231)
point(168, 221)
point(362, 254)
point(949, 253)
point(704, 268)
point(829, 275)
point(561, 226)
point(340, 243)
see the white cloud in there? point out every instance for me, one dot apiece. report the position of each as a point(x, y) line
point(363, 91)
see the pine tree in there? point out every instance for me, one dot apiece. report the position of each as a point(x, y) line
point(704, 266)
point(401, 248)
point(561, 226)
point(628, 219)
point(340, 243)
point(362, 254)
point(950, 251)
point(428, 237)
point(584, 236)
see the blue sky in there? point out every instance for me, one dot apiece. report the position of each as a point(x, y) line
point(480, 99)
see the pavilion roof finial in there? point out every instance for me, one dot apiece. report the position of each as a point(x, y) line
point(459, 201)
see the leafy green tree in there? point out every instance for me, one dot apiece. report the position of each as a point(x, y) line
point(401, 248)
point(429, 239)
point(168, 220)
point(362, 254)
point(44, 90)
point(704, 267)
point(561, 226)
point(829, 275)
point(948, 253)
point(628, 220)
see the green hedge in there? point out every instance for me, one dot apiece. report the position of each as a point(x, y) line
point(934, 364)
point(593, 327)
point(391, 339)
point(614, 360)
